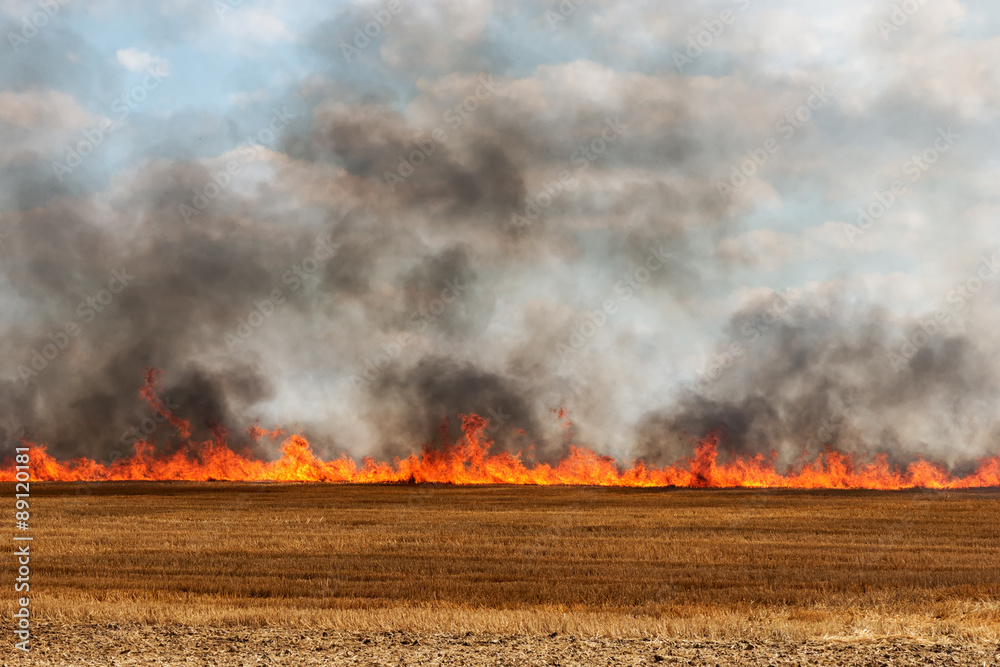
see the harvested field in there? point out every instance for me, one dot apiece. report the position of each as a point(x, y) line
point(127, 645)
point(437, 562)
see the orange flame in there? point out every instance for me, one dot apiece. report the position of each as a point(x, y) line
point(467, 461)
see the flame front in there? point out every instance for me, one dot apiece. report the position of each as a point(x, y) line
point(468, 461)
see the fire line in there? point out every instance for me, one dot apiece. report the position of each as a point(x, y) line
point(467, 461)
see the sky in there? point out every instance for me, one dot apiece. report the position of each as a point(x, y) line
point(774, 220)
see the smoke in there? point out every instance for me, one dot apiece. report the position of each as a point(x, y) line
point(479, 230)
point(826, 375)
point(422, 400)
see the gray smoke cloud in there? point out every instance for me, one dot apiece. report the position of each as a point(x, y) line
point(446, 223)
point(824, 377)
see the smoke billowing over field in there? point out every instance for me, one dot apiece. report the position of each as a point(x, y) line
point(680, 258)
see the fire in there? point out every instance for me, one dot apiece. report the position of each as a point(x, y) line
point(467, 461)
